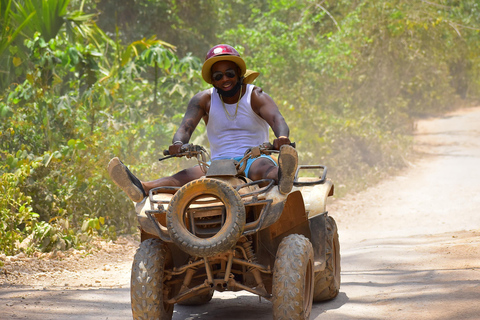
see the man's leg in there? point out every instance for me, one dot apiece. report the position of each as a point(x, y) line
point(283, 175)
point(287, 167)
point(126, 180)
point(136, 190)
point(177, 180)
point(263, 168)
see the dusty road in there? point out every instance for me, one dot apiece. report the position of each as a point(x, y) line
point(410, 250)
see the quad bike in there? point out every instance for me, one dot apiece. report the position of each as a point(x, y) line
point(224, 232)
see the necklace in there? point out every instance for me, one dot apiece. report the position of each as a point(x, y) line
point(227, 114)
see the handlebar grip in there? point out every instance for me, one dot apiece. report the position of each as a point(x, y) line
point(166, 152)
point(268, 145)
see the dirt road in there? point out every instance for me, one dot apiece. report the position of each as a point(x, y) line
point(410, 250)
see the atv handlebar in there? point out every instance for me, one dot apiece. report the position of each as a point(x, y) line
point(187, 150)
point(201, 154)
point(192, 150)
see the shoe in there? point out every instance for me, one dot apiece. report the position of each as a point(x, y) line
point(287, 167)
point(126, 180)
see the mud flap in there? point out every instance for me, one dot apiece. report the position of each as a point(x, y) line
point(318, 235)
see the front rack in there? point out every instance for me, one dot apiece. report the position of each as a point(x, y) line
point(322, 180)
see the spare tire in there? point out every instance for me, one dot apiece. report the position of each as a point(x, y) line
point(230, 229)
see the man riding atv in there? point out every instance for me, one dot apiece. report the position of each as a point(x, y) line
point(223, 225)
point(237, 115)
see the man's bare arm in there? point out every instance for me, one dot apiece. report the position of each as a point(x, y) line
point(193, 115)
point(265, 107)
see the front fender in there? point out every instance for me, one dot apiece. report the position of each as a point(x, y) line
point(315, 197)
point(145, 208)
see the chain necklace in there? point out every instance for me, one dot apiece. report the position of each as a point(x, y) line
point(227, 114)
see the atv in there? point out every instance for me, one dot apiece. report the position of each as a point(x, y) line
point(225, 232)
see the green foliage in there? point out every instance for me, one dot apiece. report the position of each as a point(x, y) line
point(188, 24)
point(48, 19)
point(356, 72)
point(53, 236)
point(16, 213)
point(93, 226)
point(80, 104)
point(9, 32)
point(27, 20)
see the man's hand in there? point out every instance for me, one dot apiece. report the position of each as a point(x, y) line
point(175, 149)
point(280, 141)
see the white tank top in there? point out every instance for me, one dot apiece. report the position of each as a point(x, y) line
point(230, 138)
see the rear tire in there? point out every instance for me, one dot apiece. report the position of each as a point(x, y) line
point(147, 286)
point(292, 286)
point(327, 282)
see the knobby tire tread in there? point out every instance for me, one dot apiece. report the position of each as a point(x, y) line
point(146, 289)
point(327, 282)
point(294, 254)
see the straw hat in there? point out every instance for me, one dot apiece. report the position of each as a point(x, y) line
point(222, 52)
point(250, 76)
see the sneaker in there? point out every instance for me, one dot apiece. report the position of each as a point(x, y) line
point(287, 167)
point(126, 180)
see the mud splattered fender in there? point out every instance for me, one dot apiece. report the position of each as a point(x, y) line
point(146, 224)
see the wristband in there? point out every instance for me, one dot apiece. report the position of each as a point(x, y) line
point(178, 142)
point(283, 137)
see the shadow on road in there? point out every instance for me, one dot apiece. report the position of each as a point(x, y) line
point(61, 303)
point(320, 308)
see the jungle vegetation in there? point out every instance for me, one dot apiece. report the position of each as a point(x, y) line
point(85, 80)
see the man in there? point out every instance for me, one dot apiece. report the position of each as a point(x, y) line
point(238, 116)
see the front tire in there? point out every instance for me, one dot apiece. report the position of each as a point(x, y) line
point(293, 279)
point(147, 285)
point(327, 282)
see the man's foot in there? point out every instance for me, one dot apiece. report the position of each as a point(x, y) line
point(287, 167)
point(126, 180)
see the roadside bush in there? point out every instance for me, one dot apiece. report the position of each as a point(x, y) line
point(17, 218)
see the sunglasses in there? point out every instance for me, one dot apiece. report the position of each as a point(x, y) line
point(218, 75)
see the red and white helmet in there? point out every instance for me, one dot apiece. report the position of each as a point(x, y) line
point(221, 52)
